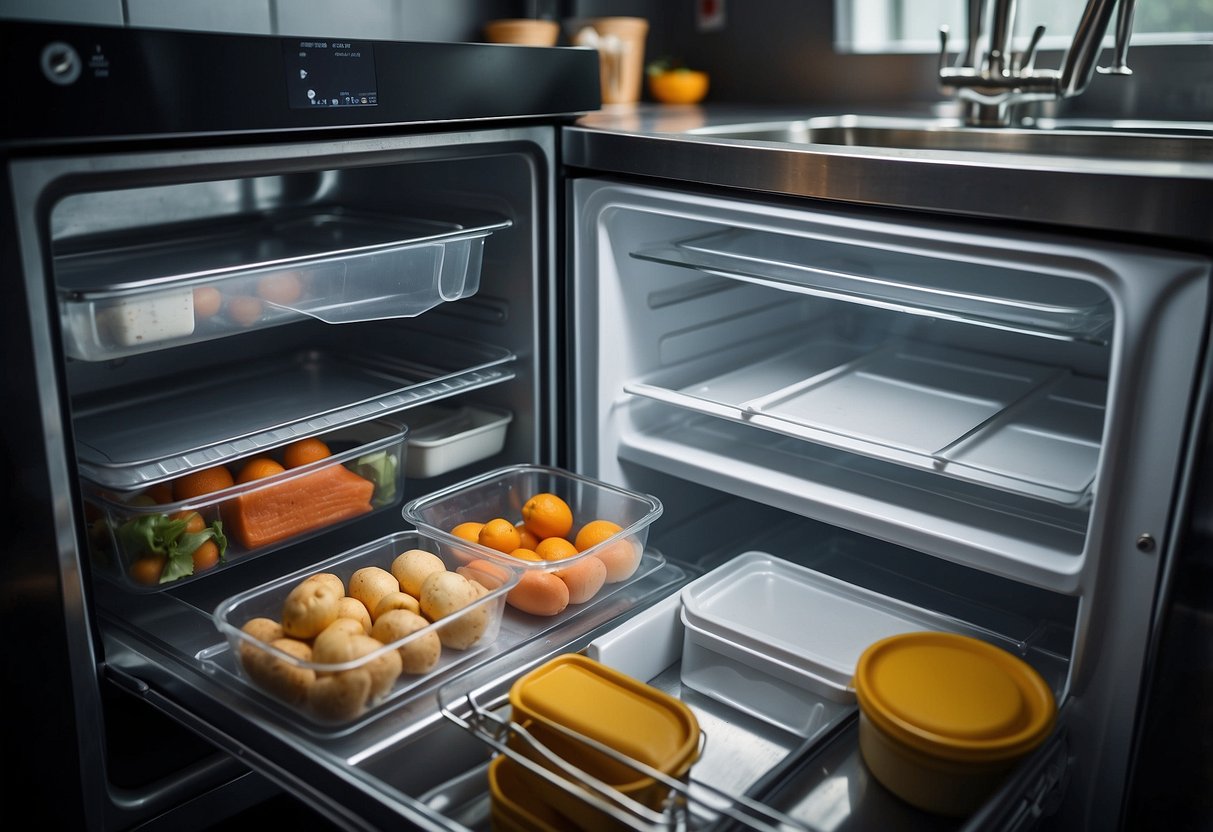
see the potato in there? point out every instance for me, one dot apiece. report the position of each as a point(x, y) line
point(396, 601)
point(335, 646)
point(279, 677)
point(411, 568)
point(445, 593)
point(329, 577)
point(370, 583)
point(309, 608)
point(339, 697)
point(418, 655)
point(354, 610)
point(342, 626)
point(263, 629)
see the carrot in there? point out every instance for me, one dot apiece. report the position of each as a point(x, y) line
point(302, 504)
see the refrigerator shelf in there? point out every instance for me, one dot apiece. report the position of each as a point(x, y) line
point(123, 293)
point(133, 438)
point(1019, 427)
point(894, 273)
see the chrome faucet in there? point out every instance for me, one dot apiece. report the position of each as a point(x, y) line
point(989, 84)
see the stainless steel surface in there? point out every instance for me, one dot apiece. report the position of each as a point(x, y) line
point(1164, 198)
point(991, 84)
point(1095, 140)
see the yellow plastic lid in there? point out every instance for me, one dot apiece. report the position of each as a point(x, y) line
point(953, 697)
point(594, 700)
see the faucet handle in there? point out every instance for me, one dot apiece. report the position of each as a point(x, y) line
point(1124, 28)
point(1026, 59)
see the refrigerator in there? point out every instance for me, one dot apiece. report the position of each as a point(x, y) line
point(219, 248)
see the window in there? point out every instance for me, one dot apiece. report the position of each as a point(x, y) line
point(913, 25)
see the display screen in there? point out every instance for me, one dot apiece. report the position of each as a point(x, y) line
point(330, 73)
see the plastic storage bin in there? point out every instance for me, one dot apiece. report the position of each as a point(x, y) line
point(131, 292)
point(502, 493)
point(362, 475)
point(349, 685)
point(781, 642)
point(944, 717)
point(442, 439)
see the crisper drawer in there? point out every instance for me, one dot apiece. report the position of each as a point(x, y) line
point(951, 387)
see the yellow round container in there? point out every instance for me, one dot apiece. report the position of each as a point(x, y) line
point(602, 704)
point(945, 717)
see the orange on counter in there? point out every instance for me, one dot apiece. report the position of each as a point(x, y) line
point(678, 86)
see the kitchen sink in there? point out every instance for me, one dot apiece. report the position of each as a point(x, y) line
point(1111, 139)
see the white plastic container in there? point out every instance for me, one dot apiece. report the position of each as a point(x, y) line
point(442, 439)
point(781, 642)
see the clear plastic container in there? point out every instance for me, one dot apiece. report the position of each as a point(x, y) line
point(131, 292)
point(133, 531)
point(334, 693)
point(501, 494)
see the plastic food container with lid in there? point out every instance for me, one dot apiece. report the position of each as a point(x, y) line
point(575, 693)
point(586, 574)
point(945, 717)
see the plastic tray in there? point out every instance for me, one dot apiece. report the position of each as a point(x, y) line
point(267, 602)
point(781, 641)
point(896, 276)
point(442, 439)
point(373, 451)
point(127, 293)
point(502, 493)
point(134, 437)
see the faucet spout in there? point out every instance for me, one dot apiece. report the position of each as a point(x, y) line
point(992, 83)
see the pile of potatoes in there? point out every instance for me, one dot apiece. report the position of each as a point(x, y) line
point(325, 622)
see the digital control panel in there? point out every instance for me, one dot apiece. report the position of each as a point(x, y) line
point(330, 73)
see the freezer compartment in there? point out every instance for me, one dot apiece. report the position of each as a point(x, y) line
point(135, 436)
point(586, 536)
point(144, 540)
point(132, 290)
point(340, 653)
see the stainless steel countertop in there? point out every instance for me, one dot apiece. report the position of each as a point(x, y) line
point(1168, 201)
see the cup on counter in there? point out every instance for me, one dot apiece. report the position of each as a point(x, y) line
point(526, 31)
point(620, 43)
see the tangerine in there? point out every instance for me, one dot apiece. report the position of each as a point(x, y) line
point(555, 548)
point(194, 523)
point(204, 481)
point(305, 451)
point(499, 534)
point(161, 492)
point(147, 570)
point(529, 539)
point(258, 468)
point(594, 532)
point(523, 553)
point(206, 556)
point(469, 531)
point(547, 515)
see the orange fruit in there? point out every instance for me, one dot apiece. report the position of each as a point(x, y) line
point(594, 532)
point(305, 451)
point(147, 570)
point(499, 534)
point(547, 516)
point(529, 539)
point(258, 468)
point(195, 524)
point(468, 531)
point(206, 556)
point(207, 301)
point(555, 548)
point(679, 86)
point(161, 492)
point(244, 309)
point(523, 553)
point(280, 287)
point(205, 481)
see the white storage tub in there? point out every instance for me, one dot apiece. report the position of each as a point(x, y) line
point(442, 439)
